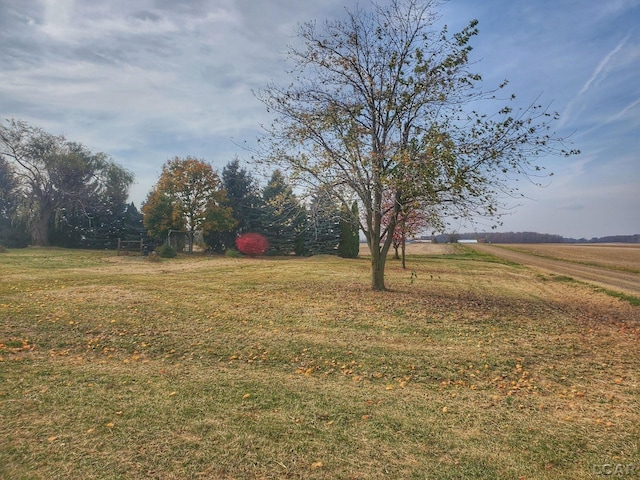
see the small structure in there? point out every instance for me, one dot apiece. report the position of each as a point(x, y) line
point(467, 240)
point(126, 246)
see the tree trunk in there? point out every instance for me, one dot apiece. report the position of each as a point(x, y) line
point(190, 237)
point(40, 229)
point(404, 251)
point(377, 270)
point(397, 255)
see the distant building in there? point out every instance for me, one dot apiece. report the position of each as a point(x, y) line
point(467, 240)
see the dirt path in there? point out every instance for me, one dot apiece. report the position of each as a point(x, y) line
point(612, 279)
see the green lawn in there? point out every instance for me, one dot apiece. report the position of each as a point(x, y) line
point(211, 367)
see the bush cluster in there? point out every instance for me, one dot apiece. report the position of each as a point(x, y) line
point(167, 251)
point(252, 244)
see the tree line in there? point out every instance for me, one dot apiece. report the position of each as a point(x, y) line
point(55, 192)
point(190, 198)
point(530, 237)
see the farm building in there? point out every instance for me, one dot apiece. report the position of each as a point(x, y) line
point(467, 240)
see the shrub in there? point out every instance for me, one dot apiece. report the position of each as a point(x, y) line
point(167, 251)
point(2, 248)
point(153, 257)
point(232, 253)
point(252, 244)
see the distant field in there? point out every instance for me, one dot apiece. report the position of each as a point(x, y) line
point(291, 368)
point(622, 256)
point(419, 248)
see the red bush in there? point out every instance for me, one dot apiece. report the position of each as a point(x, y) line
point(252, 244)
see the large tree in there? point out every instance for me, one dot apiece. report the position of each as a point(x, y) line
point(12, 231)
point(384, 104)
point(188, 197)
point(58, 177)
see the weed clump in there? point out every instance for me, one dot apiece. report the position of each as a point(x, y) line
point(167, 251)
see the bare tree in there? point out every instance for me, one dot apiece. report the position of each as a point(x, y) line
point(381, 105)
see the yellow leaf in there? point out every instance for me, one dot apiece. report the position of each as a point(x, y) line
point(173, 394)
point(52, 439)
point(315, 465)
point(110, 425)
point(445, 409)
point(389, 387)
point(246, 395)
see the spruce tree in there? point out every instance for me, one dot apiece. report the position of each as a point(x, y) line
point(323, 230)
point(243, 198)
point(283, 218)
point(349, 246)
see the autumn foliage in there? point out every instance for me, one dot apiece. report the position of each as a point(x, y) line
point(252, 244)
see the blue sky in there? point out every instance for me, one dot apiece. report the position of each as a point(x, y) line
point(148, 80)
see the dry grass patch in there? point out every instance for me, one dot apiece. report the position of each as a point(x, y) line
point(291, 368)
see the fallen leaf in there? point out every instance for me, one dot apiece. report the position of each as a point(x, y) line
point(316, 465)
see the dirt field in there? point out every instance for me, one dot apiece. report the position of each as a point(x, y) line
point(609, 266)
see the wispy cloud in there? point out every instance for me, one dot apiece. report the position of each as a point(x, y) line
point(602, 65)
point(625, 110)
point(598, 75)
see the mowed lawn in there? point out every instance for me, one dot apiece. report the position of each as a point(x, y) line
point(219, 368)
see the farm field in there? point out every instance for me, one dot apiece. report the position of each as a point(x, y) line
point(219, 368)
point(620, 256)
point(610, 267)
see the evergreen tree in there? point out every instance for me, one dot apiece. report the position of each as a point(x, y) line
point(244, 201)
point(323, 225)
point(349, 246)
point(283, 218)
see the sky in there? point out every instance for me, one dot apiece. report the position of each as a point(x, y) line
point(148, 80)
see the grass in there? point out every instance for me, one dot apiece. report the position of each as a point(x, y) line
point(234, 368)
point(633, 300)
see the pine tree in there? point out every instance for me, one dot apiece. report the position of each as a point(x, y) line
point(283, 218)
point(244, 200)
point(349, 237)
point(323, 228)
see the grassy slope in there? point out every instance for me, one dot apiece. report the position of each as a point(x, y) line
point(114, 367)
